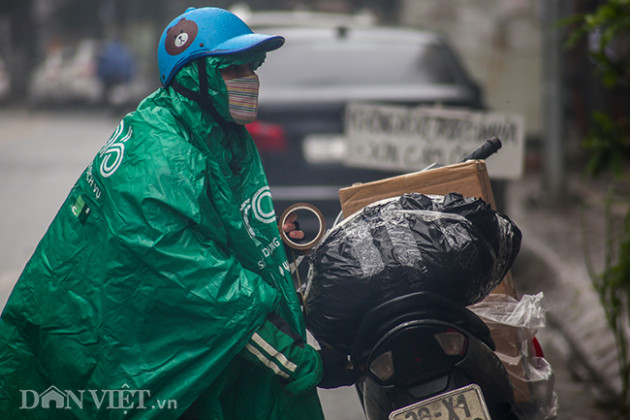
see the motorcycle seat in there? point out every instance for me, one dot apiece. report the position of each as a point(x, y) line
point(420, 305)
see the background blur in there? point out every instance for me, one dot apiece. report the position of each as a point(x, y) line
point(513, 48)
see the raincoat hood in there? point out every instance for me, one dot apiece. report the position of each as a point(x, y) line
point(189, 79)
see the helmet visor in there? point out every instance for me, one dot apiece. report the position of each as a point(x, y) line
point(258, 42)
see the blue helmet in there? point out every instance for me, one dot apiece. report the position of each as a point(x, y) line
point(206, 31)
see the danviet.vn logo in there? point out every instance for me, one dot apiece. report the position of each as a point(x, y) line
point(124, 399)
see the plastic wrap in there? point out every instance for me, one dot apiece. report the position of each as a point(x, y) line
point(456, 246)
point(513, 324)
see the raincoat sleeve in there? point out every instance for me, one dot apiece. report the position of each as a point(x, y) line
point(277, 348)
point(179, 241)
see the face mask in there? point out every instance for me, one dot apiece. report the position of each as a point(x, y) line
point(243, 98)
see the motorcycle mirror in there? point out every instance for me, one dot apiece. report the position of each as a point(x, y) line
point(311, 222)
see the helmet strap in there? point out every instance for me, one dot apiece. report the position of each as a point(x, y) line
point(202, 97)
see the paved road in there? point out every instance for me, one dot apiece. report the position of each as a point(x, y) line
point(42, 154)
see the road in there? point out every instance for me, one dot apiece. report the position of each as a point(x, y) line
point(42, 154)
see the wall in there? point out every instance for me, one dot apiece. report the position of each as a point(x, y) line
point(500, 43)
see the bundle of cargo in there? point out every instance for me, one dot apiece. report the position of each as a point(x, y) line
point(452, 245)
point(530, 375)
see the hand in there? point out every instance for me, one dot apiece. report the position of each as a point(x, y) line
point(292, 227)
point(336, 370)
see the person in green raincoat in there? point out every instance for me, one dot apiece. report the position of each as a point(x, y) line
point(161, 288)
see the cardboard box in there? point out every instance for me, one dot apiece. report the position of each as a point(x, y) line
point(469, 179)
point(510, 352)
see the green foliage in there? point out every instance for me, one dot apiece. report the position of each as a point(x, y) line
point(608, 30)
point(613, 287)
point(609, 144)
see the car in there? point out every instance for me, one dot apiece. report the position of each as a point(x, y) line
point(306, 85)
point(67, 75)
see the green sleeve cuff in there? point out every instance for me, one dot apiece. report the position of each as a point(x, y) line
point(278, 349)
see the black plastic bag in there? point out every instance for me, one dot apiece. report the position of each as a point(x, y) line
point(452, 245)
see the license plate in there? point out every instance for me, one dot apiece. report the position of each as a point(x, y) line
point(460, 404)
point(324, 148)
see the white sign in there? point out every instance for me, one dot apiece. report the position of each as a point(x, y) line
point(410, 139)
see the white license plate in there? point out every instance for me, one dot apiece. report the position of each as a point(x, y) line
point(460, 404)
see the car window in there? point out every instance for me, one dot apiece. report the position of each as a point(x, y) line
point(348, 62)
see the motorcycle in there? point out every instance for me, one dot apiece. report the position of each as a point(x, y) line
point(423, 356)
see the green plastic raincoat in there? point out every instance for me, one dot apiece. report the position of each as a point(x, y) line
point(155, 284)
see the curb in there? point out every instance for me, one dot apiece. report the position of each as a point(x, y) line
point(552, 260)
